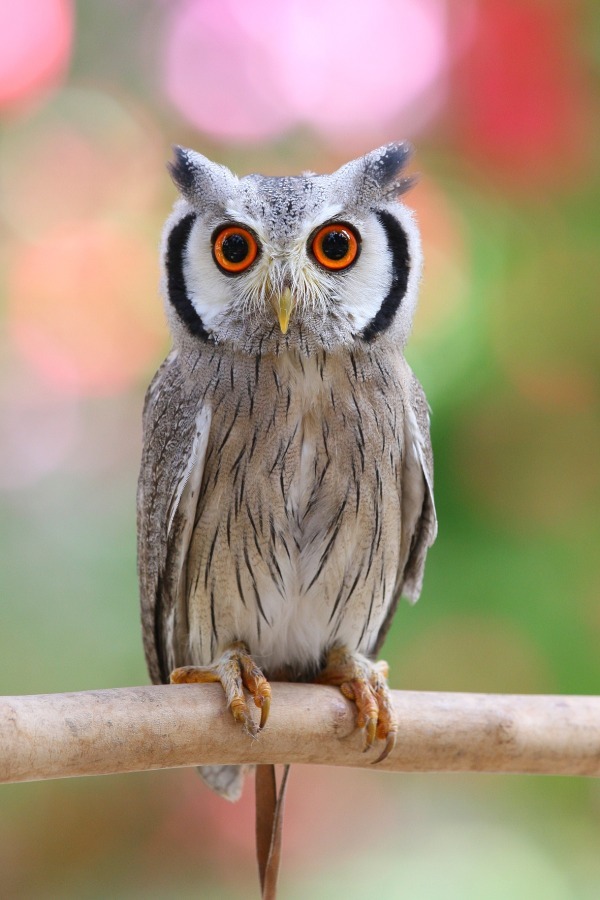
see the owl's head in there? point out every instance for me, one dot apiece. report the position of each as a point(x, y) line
point(314, 261)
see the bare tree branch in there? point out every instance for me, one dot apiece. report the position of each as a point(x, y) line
point(135, 729)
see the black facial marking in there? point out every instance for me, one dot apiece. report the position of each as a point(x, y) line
point(176, 286)
point(398, 244)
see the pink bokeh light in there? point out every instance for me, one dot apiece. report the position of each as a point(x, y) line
point(82, 308)
point(35, 44)
point(244, 71)
point(39, 425)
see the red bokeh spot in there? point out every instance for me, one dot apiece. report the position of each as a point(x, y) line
point(524, 98)
point(35, 43)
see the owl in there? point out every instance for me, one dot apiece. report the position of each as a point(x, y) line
point(285, 497)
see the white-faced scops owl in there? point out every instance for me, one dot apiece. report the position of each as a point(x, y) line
point(285, 497)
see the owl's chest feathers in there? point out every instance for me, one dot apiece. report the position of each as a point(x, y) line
point(290, 528)
point(297, 449)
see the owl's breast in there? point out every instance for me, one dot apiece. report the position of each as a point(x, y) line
point(297, 534)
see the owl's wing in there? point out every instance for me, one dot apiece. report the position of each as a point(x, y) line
point(176, 433)
point(419, 520)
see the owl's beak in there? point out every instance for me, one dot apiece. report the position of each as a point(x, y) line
point(284, 307)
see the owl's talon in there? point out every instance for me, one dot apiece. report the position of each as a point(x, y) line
point(370, 732)
point(364, 682)
point(264, 712)
point(235, 670)
point(389, 746)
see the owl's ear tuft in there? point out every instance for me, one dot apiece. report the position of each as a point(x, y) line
point(378, 175)
point(199, 179)
point(182, 170)
point(383, 169)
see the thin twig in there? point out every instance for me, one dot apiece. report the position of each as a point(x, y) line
point(135, 729)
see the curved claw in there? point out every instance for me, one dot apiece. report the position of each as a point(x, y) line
point(365, 683)
point(389, 746)
point(370, 732)
point(265, 708)
point(235, 670)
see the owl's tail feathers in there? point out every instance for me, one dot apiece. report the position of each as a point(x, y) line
point(269, 827)
point(227, 781)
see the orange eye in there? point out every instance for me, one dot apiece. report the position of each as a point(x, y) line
point(335, 246)
point(235, 249)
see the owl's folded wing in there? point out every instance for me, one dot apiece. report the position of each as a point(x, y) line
point(419, 520)
point(418, 507)
point(175, 440)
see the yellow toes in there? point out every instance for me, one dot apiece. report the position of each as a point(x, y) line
point(235, 670)
point(365, 683)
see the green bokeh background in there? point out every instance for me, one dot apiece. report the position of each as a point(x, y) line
point(510, 602)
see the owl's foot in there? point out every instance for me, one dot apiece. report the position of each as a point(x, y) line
point(365, 682)
point(235, 670)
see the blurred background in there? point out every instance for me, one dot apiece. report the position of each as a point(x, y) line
point(501, 99)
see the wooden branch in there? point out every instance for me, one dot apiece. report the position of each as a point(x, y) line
point(135, 729)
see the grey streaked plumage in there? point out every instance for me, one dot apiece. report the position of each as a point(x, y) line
point(285, 494)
